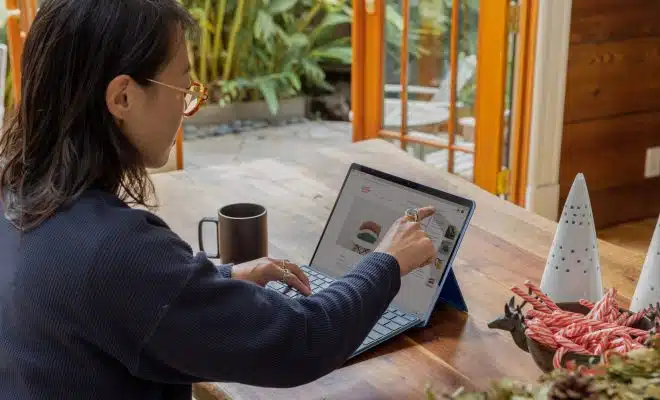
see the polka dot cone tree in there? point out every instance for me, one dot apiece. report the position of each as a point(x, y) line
point(647, 291)
point(572, 271)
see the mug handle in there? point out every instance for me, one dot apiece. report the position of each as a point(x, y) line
point(199, 234)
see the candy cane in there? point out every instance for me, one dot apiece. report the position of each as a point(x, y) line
point(560, 319)
point(569, 345)
point(559, 354)
point(587, 303)
point(603, 304)
point(603, 345)
point(542, 339)
point(574, 330)
point(597, 335)
point(615, 343)
point(599, 325)
point(544, 298)
point(600, 308)
point(595, 309)
point(532, 313)
point(635, 318)
point(614, 312)
point(611, 318)
point(531, 300)
point(622, 319)
point(548, 336)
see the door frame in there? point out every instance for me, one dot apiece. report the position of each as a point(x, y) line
point(491, 84)
point(494, 26)
point(547, 122)
point(367, 89)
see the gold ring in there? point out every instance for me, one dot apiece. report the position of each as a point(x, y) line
point(285, 275)
point(412, 215)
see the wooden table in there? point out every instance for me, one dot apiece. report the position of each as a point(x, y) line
point(504, 246)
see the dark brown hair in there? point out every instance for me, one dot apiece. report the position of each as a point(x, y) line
point(63, 139)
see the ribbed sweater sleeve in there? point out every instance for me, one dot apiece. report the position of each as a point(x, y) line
point(220, 329)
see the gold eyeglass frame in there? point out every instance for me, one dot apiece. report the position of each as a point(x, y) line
point(202, 95)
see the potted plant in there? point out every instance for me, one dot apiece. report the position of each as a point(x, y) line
point(265, 51)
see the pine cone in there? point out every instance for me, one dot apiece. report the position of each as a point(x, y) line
point(573, 387)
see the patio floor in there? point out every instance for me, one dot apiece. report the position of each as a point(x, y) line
point(288, 142)
point(282, 142)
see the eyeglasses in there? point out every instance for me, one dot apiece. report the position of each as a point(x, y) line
point(194, 97)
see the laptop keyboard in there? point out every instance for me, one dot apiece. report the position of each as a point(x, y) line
point(390, 323)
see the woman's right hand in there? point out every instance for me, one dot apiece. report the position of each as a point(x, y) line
point(408, 243)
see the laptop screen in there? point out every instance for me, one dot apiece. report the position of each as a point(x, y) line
point(368, 204)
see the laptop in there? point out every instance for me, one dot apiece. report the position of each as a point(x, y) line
point(368, 203)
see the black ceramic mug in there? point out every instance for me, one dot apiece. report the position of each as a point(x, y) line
point(242, 233)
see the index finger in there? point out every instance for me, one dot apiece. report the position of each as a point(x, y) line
point(425, 212)
point(298, 272)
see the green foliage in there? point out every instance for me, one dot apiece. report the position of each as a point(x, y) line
point(7, 95)
point(266, 49)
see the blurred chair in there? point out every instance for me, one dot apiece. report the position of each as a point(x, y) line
point(20, 14)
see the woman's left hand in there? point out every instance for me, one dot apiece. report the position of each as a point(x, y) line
point(266, 269)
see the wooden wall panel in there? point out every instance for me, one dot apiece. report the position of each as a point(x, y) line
point(612, 78)
point(609, 20)
point(610, 152)
point(612, 107)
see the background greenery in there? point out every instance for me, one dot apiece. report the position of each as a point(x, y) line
point(266, 49)
point(250, 50)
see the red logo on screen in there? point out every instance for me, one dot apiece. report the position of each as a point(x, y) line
point(366, 189)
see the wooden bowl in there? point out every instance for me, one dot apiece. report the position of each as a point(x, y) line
point(543, 355)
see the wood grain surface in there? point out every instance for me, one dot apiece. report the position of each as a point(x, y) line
point(612, 108)
point(594, 21)
point(504, 246)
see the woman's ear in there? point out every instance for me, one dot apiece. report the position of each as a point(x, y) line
point(117, 97)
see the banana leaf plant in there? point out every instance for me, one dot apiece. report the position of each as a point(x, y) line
point(248, 50)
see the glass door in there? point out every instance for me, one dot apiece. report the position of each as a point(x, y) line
point(437, 78)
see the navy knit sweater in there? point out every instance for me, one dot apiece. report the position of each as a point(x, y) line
point(103, 301)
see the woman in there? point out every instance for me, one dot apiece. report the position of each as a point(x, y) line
point(99, 300)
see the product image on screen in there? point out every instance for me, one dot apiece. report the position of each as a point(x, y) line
point(451, 232)
point(366, 222)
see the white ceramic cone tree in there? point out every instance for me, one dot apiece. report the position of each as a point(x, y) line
point(648, 287)
point(572, 271)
